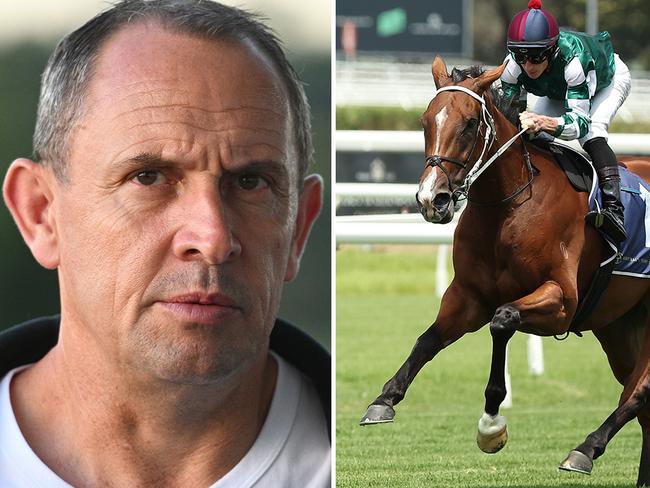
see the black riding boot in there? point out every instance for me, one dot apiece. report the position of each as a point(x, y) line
point(610, 218)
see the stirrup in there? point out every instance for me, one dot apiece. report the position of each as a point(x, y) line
point(609, 223)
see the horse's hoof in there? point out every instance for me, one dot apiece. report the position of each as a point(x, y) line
point(492, 433)
point(578, 462)
point(377, 414)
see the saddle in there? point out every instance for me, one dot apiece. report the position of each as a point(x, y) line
point(577, 166)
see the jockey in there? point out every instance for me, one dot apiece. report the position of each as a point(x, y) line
point(581, 83)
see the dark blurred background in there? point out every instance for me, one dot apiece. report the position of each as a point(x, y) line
point(476, 29)
point(28, 32)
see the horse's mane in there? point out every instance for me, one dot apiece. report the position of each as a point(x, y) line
point(507, 106)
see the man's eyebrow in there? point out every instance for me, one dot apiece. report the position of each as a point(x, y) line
point(148, 159)
point(262, 166)
point(144, 159)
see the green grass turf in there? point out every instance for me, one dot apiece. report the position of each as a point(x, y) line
point(384, 301)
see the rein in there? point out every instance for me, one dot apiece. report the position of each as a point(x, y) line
point(462, 192)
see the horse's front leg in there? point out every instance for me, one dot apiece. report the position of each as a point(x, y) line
point(543, 311)
point(460, 312)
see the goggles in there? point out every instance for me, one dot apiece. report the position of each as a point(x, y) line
point(535, 56)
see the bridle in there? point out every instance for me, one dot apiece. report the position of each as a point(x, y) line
point(461, 192)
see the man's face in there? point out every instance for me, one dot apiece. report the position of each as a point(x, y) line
point(533, 70)
point(177, 224)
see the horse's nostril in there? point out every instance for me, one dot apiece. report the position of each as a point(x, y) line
point(441, 200)
point(417, 200)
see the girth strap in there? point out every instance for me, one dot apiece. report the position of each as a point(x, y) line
point(596, 289)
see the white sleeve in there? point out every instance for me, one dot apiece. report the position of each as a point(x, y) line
point(512, 71)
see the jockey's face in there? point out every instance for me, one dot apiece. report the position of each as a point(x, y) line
point(533, 70)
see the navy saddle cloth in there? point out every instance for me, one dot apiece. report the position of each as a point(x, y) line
point(633, 257)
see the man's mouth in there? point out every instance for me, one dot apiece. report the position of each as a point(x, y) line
point(203, 308)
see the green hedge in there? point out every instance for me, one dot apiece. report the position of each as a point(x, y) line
point(394, 118)
point(377, 118)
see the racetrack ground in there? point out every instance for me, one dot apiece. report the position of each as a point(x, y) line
point(384, 301)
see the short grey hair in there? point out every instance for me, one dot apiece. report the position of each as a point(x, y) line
point(70, 68)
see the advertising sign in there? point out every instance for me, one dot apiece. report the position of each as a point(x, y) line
point(407, 27)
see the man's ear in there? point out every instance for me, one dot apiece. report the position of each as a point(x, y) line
point(309, 205)
point(28, 194)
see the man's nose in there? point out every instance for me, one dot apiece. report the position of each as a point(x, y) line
point(206, 230)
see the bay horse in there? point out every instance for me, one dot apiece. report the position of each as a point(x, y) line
point(523, 257)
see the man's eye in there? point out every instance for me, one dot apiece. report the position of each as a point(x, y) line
point(149, 178)
point(251, 182)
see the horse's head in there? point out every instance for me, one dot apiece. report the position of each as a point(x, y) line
point(455, 125)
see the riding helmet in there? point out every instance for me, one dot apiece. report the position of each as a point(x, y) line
point(534, 29)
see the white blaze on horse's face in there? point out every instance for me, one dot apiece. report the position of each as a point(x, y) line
point(426, 193)
point(441, 118)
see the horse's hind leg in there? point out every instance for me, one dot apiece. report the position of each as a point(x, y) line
point(459, 313)
point(644, 463)
point(581, 458)
point(542, 311)
point(633, 403)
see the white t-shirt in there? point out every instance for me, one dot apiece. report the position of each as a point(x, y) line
point(292, 449)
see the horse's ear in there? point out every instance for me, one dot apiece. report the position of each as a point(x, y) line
point(484, 81)
point(439, 72)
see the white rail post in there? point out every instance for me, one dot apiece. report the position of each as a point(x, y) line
point(535, 355)
point(442, 274)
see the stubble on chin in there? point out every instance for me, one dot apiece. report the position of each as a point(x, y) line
point(194, 353)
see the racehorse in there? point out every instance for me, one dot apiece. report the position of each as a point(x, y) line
point(523, 258)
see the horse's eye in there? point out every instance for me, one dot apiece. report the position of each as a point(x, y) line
point(470, 128)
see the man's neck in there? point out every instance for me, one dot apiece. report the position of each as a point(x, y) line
point(114, 428)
